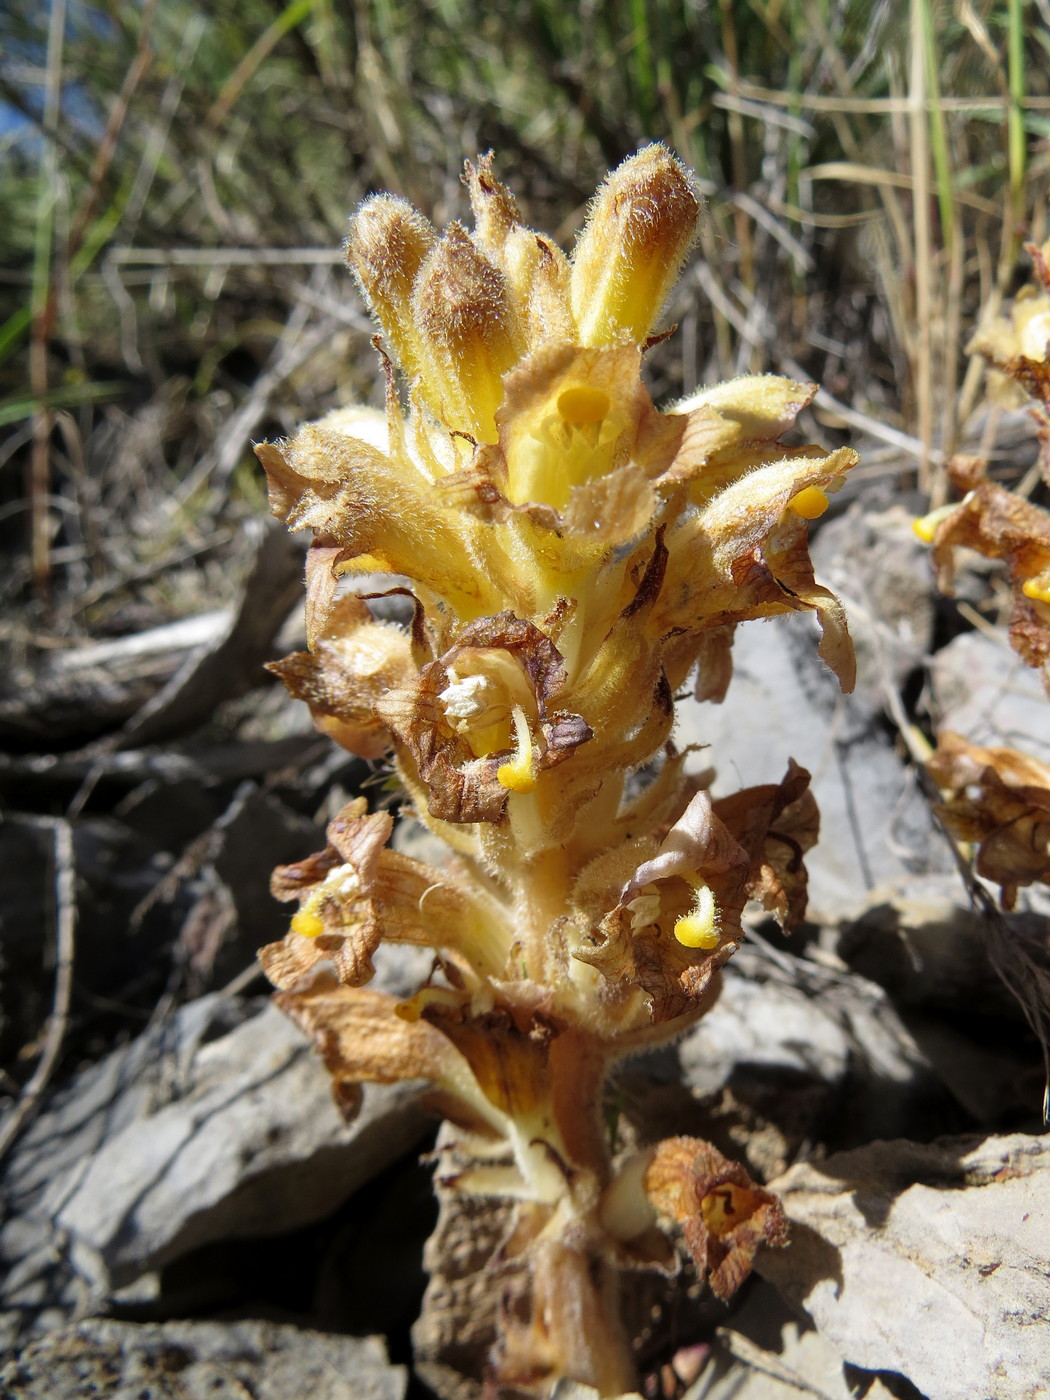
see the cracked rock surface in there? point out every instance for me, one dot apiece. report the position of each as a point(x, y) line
point(927, 1260)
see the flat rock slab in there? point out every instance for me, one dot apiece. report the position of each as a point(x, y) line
point(200, 1361)
point(929, 1261)
point(783, 703)
point(217, 1126)
point(809, 1041)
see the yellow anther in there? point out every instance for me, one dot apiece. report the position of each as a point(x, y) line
point(583, 404)
point(519, 775)
point(927, 525)
point(1038, 589)
point(699, 928)
point(307, 923)
point(810, 502)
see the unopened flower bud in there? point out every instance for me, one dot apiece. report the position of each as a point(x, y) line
point(536, 269)
point(387, 245)
point(470, 333)
point(641, 225)
point(495, 208)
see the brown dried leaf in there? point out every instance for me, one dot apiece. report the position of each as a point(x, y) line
point(724, 1217)
point(999, 799)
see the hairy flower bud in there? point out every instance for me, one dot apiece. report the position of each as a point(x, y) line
point(495, 209)
point(641, 225)
point(470, 333)
point(386, 246)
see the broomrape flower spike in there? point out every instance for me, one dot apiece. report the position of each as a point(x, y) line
point(572, 556)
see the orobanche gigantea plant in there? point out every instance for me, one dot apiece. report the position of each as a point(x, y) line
point(572, 557)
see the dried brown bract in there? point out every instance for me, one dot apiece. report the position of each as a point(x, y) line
point(999, 800)
point(724, 1217)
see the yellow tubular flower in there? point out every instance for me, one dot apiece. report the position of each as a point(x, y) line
point(387, 244)
point(641, 225)
point(470, 333)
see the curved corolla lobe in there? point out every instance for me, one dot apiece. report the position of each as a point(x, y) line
point(733, 428)
point(1000, 525)
point(382, 513)
point(357, 892)
point(348, 669)
point(776, 824)
point(746, 846)
point(460, 787)
point(698, 850)
point(714, 657)
point(580, 448)
point(763, 406)
point(339, 920)
point(361, 1037)
point(437, 725)
point(745, 555)
point(570, 415)
point(998, 798)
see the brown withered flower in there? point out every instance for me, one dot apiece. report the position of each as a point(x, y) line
point(998, 524)
point(573, 557)
point(998, 799)
point(989, 519)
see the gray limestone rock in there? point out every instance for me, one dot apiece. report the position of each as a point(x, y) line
point(218, 1125)
point(983, 690)
point(927, 1260)
point(200, 1361)
point(784, 703)
point(816, 1049)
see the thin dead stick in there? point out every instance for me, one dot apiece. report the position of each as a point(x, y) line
point(226, 257)
point(919, 144)
point(856, 419)
point(294, 348)
point(877, 106)
point(65, 929)
point(117, 116)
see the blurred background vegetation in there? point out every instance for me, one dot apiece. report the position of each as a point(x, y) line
point(176, 182)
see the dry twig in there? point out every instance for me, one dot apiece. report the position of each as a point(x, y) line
point(65, 927)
